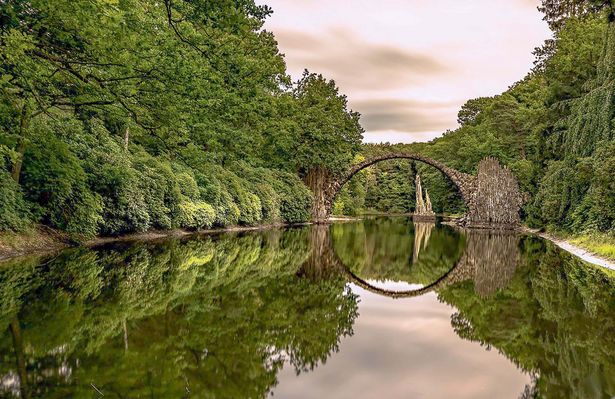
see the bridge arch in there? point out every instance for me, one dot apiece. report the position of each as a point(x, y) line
point(463, 181)
point(492, 196)
point(442, 281)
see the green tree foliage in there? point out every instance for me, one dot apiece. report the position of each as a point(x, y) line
point(124, 116)
point(324, 122)
point(15, 213)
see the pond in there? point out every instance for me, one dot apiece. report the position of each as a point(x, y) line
point(376, 308)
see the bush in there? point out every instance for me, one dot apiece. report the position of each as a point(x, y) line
point(295, 197)
point(262, 182)
point(196, 215)
point(249, 204)
point(214, 193)
point(14, 215)
point(160, 189)
point(53, 178)
point(110, 173)
point(124, 206)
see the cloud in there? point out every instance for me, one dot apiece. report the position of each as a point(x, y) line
point(354, 63)
point(411, 59)
point(405, 115)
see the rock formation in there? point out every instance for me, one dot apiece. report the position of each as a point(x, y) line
point(423, 211)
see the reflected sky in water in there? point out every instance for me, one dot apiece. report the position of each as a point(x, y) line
point(405, 348)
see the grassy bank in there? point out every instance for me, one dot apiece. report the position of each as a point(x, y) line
point(600, 244)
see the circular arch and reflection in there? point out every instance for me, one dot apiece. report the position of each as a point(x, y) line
point(443, 280)
point(489, 259)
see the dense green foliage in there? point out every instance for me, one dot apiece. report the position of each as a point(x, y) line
point(123, 116)
point(554, 129)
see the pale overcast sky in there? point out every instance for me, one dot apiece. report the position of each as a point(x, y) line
point(408, 65)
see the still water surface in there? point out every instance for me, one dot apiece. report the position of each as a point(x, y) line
point(380, 308)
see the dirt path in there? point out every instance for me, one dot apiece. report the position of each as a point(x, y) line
point(582, 253)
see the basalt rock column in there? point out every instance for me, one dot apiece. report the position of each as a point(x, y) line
point(496, 199)
point(423, 211)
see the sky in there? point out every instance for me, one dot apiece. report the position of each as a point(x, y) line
point(409, 65)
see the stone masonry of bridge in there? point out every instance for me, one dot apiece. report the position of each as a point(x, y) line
point(492, 196)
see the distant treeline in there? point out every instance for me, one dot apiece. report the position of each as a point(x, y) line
point(554, 129)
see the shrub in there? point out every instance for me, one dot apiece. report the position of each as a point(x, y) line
point(53, 178)
point(124, 206)
point(15, 215)
point(214, 193)
point(262, 184)
point(196, 215)
point(111, 174)
point(295, 197)
point(160, 189)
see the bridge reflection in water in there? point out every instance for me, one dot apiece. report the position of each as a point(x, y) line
point(489, 259)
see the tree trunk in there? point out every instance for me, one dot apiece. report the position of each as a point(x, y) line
point(318, 181)
point(126, 138)
point(24, 123)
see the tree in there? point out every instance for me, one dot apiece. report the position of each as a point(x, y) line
point(327, 138)
point(329, 133)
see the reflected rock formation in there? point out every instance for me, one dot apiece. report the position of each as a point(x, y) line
point(422, 233)
point(489, 260)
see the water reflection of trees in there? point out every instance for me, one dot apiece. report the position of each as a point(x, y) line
point(391, 249)
point(219, 317)
point(547, 311)
point(216, 317)
point(425, 254)
point(555, 319)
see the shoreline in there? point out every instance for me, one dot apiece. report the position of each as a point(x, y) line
point(580, 252)
point(45, 241)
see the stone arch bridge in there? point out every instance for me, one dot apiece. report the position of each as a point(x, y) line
point(492, 196)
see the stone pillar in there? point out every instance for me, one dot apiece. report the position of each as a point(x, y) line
point(423, 211)
point(496, 199)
